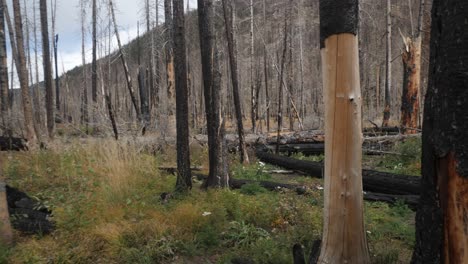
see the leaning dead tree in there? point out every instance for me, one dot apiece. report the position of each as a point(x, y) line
point(344, 237)
point(411, 58)
point(441, 220)
point(184, 176)
point(281, 85)
point(22, 70)
point(128, 78)
point(47, 69)
point(228, 13)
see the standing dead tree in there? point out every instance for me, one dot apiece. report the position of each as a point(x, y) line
point(168, 17)
point(3, 71)
point(228, 13)
point(344, 237)
point(441, 219)
point(94, 61)
point(84, 99)
point(184, 176)
point(388, 73)
point(31, 135)
point(412, 76)
point(281, 85)
point(47, 69)
point(212, 93)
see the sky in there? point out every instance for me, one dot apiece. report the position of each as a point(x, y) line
point(68, 26)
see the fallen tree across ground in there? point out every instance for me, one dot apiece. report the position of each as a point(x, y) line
point(410, 200)
point(373, 181)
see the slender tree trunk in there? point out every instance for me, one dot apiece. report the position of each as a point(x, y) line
point(3, 70)
point(344, 237)
point(441, 219)
point(228, 13)
point(252, 85)
point(47, 69)
point(265, 69)
point(94, 61)
point(281, 83)
point(84, 99)
point(23, 76)
point(124, 64)
point(388, 73)
point(14, 52)
point(36, 90)
point(57, 80)
point(212, 92)
point(184, 177)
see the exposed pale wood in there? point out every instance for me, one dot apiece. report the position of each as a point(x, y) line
point(344, 239)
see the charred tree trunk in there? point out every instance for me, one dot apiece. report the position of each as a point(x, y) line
point(184, 177)
point(441, 220)
point(212, 93)
point(388, 73)
point(47, 69)
point(344, 237)
point(23, 76)
point(228, 14)
point(411, 81)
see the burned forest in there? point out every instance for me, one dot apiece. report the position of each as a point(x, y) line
point(233, 131)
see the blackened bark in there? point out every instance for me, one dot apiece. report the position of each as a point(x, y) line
point(338, 17)
point(441, 220)
point(47, 69)
point(144, 105)
point(212, 92)
point(228, 13)
point(388, 73)
point(184, 177)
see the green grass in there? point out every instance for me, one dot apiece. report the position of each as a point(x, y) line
point(106, 203)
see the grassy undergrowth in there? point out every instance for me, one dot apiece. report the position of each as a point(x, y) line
point(105, 198)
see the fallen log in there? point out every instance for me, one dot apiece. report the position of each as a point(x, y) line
point(311, 149)
point(373, 181)
point(12, 144)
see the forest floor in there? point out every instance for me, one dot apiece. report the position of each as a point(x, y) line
point(106, 203)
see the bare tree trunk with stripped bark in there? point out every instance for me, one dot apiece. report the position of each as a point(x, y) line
point(344, 237)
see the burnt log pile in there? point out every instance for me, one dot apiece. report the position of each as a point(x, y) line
point(28, 215)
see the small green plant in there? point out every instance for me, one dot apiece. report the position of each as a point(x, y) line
point(256, 171)
point(241, 234)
